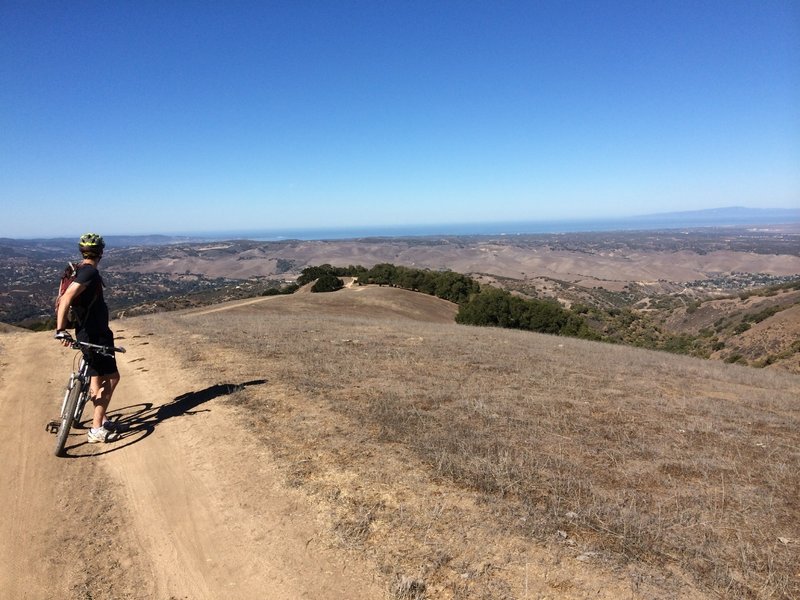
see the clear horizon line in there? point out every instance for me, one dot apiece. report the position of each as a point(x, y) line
point(713, 217)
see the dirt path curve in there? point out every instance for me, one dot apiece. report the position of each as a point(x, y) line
point(187, 506)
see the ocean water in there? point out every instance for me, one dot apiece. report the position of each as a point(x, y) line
point(711, 218)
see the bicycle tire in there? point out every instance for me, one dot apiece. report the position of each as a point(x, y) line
point(67, 417)
point(77, 422)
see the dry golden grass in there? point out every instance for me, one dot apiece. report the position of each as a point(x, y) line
point(445, 452)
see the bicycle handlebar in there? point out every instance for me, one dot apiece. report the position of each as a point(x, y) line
point(97, 347)
point(77, 345)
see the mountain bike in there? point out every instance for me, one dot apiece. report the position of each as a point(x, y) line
point(77, 392)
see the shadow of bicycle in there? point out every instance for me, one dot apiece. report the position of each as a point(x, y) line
point(140, 420)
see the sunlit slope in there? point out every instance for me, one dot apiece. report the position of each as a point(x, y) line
point(406, 428)
point(372, 302)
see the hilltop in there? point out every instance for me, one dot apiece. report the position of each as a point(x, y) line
point(438, 460)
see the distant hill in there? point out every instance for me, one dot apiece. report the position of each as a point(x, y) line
point(722, 217)
point(58, 248)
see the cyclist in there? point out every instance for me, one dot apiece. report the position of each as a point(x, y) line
point(85, 296)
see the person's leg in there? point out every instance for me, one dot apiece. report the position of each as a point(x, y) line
point(101, 389)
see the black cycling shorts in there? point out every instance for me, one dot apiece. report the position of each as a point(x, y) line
point(100, 364)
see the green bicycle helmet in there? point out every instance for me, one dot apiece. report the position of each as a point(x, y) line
point(91, 243)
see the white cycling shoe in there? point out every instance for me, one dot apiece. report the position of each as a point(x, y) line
point(98, 436)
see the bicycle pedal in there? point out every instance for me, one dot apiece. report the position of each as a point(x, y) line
point(52, 427)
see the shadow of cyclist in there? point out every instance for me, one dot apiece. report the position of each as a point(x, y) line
point(149, 416)
point(138, 421)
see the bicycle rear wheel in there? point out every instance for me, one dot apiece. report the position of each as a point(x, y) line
point(67, 417)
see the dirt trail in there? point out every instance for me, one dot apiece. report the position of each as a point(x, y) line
point(187, 506)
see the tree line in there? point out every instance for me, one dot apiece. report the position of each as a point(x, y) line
point(477, 304)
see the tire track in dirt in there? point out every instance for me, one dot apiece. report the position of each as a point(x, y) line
point(208, 507)
point(184, 506)
point(28, 497)
point(60, 535)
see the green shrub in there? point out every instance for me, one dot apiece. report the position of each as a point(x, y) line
point(288, 289)
point(310, 274)
point(447, 285)
point(327, 283)
point(764, 314)
point(679, 344)
point(499, 308)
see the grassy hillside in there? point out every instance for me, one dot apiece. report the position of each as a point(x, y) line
point(647, 289)
point(759, 328)
point(454, 455)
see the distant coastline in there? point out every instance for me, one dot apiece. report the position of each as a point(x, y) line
point(723, 217)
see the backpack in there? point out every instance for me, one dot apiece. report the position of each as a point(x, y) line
point(73, 316)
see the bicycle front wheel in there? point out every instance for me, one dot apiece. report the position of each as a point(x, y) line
point(67, 417)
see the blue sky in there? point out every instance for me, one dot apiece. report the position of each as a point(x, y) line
point(151, 117)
